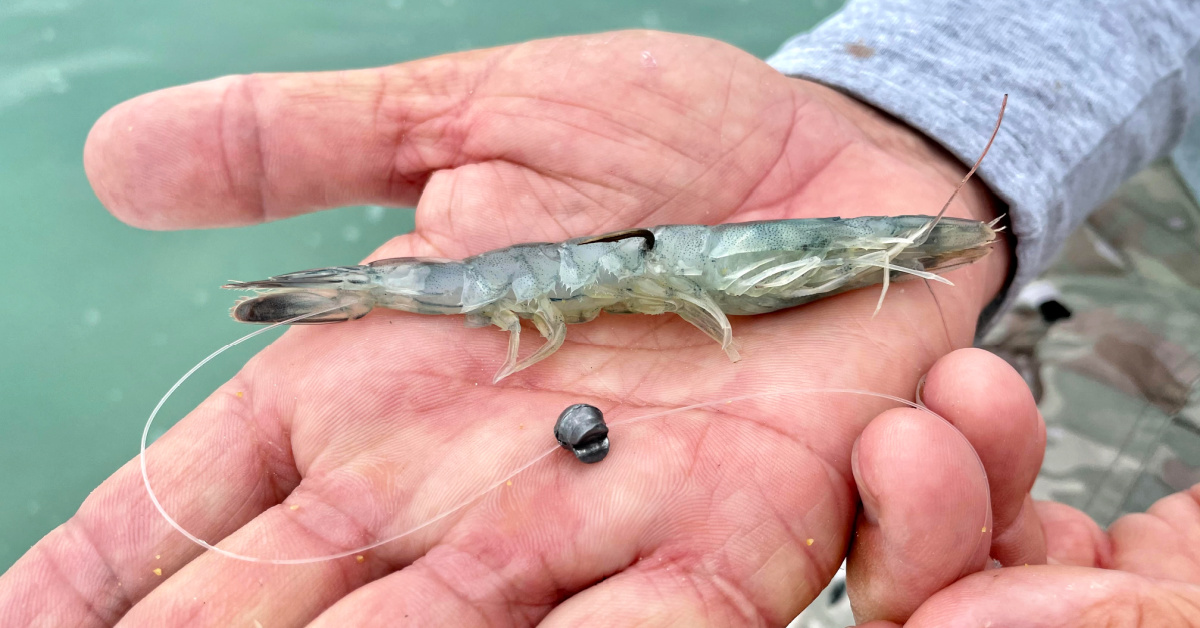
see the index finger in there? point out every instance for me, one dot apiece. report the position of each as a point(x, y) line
point(240, 150)
point(244, 149)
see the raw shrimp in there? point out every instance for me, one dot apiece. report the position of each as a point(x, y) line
point(702, 273)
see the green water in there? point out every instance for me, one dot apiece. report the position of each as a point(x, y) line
point(100, 318)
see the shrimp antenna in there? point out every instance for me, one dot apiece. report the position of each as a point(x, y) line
point(936, 220)
point(921, 234)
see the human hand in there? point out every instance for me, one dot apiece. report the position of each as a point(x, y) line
point(1144, 571)
point(374, 425)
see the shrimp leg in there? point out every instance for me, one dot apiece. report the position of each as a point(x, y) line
point(508, 321)
point(687, 299)
point(549, 322)
point(706, 315)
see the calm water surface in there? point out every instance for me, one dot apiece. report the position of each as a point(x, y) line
point(100, 318)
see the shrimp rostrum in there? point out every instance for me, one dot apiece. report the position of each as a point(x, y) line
point(702, 273)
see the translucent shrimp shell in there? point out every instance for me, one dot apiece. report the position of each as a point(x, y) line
point(702, 273)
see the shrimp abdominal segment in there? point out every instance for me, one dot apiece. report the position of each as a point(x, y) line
point(702, 273)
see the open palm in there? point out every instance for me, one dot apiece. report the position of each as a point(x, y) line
point(337, 436)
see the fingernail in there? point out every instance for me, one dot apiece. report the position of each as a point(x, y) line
point(921, 390)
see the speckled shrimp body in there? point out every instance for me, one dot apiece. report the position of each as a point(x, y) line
point(702, 273)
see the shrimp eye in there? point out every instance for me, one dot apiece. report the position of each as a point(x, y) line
point(581, 430)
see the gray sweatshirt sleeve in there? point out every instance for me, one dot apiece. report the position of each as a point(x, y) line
point(1097, 89)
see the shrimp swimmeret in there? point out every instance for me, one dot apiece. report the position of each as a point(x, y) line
point(702, 273)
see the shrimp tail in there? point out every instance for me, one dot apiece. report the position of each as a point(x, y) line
point(342, 293)
point(280, 306)
point(335, 277)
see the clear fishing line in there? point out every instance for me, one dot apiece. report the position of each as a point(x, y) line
point(550, 450)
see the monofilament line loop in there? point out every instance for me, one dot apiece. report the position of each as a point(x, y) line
point(146, 430)
point(494, 485)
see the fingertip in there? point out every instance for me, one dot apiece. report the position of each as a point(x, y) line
point(95, 164)
point(176, 158)
point(908, 459)
point(974, 383)
point(1072, 537)
point(990, 403)
point(925, 519)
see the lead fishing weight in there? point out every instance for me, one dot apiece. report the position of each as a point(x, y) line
point(580, 429)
